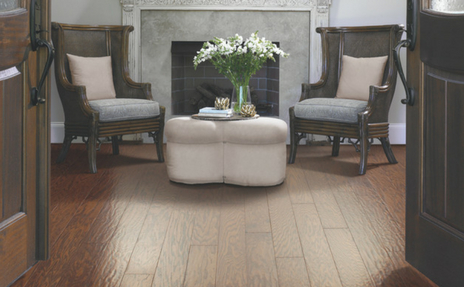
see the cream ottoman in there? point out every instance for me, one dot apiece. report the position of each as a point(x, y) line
point(246, 152)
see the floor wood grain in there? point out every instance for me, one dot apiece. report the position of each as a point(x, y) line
point(128, 225)
point(257, 211)
point(261, 264)
point(201, 268)
point(284, 231)
point(349, 263)
point(320, 264)
point(137, 280)
point(292, 272)
point(231, 263)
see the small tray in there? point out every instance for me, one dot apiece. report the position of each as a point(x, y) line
point(232, 118)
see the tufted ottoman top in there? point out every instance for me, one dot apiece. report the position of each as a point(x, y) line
point(257, 131)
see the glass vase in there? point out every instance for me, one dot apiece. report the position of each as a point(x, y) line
point(240, 96)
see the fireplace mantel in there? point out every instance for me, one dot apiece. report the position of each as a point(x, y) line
point(158, 23)
point(318, 9)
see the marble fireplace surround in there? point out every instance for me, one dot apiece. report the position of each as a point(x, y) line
point(292, 23)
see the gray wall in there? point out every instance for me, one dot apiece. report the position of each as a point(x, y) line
point(342, 13)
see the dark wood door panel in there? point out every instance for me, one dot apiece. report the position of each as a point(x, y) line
point(442, 262)
point(455, 155)
point(11, 137)
point(443, 196)
point(14, 37)
point(434, 147)
point(436, 48)
point(13, 239)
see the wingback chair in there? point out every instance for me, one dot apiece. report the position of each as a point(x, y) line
point(99, 98)
point(353, 96)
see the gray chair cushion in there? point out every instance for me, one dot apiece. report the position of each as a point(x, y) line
point(330, 109)
point(112, 110)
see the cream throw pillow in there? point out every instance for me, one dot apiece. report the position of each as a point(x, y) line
point(95, 74)
point(358, 74)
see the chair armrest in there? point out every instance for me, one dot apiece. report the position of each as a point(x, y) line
point(378, 105)
point(132, 89)
point(73, 96)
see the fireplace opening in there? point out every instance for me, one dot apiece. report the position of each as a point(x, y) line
point(193, 89)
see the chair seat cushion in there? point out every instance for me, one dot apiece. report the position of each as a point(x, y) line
point(113, 110)
point(330, 109)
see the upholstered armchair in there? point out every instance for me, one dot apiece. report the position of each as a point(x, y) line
point(353, 96)
point(99, 98)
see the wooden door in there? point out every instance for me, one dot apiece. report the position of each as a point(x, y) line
point(24, 144)
point(435, 144)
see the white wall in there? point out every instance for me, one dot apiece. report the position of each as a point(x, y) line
point(342, 13)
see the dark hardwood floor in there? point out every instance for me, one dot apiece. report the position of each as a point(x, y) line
point(128, 225)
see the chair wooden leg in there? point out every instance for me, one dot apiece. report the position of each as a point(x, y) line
point(65, 148)
point(387, 149)
point(158, 139)
point(294, 137)
point(364, 142)
point(335, 146)
point(159, 146)
point(115, 144)
point(294, 140)
point(364, 153)
point(293, 146)
point(92, 153)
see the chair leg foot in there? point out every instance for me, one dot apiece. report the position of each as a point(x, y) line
point(364, 154)
point(336, 146)
point(115, 144)
point(295, 138)
point(159, 151)
point(387, 149)
point(92, 153)
point(364, 142)
point(158, 139)
point(65, 148)
point(293, 147)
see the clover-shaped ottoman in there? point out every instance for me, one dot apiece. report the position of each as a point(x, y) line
point(244, 152)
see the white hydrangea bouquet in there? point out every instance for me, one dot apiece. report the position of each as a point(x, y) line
point(238, 60)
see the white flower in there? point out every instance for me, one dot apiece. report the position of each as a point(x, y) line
point(238, 59)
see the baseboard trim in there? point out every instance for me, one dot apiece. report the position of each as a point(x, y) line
point(57, 132)
point(397, 133)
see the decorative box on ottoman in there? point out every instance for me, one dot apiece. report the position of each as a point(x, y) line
point(245, 152)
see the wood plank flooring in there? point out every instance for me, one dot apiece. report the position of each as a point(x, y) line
point(128, 225)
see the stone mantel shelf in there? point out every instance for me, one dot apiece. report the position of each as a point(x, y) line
point(242, 3)
point(319, 10)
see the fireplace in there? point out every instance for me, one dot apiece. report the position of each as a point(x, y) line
point(193, 89)
point(291, 23)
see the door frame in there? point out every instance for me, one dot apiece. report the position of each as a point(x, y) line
point(43, 114)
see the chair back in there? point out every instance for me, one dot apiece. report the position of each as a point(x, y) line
point(364, 41)
point(92, 41)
